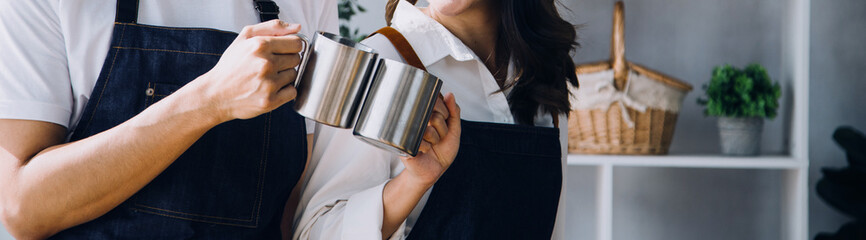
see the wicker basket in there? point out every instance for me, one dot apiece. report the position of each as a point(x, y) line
point(619, 124)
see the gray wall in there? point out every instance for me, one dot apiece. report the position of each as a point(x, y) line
point(686, 38)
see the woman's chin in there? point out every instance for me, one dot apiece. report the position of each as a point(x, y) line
point(450, 7)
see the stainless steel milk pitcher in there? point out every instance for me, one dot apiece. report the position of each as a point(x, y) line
point(389, 107)
point(398, 106)
point(333, 77)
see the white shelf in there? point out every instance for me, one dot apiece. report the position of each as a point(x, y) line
point(688, 161)
point(794, 166)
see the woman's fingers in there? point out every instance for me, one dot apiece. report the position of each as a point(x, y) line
point(445, 150)
point(454, 116)
point(436, 126)
point(430, 135)
point(439, 124)
point(440, 107)
point(440, 127)
point(425, 147)
point(453, 108)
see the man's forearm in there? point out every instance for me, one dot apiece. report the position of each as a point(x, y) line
point(69, 184)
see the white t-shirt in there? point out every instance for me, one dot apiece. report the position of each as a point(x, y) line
point(342, 198)
point(51, 51)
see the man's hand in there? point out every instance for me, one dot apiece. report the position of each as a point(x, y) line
point(46, 186)
point(256, 72)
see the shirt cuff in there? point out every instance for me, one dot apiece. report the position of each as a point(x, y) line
point(363, 215)
point(37, 111)
point(400, 234)
point(311, 126)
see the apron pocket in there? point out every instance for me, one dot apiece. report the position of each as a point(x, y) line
point(157, 91)
point(218, 180)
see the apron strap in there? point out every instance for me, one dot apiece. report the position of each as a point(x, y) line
point(127, 11)
point(402, 45)
point(268, 10)
point(555, 120)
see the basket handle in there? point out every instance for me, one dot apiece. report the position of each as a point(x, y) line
point(617, 46)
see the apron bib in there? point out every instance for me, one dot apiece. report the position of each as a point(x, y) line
point(232, 183)
point(504, 184)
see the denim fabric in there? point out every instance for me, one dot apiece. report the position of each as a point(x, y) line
point(504, 184)
point(232, 183)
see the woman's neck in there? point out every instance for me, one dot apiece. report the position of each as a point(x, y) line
point(476, 27)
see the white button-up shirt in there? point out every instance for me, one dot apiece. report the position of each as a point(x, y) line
point(52, 51)
point(346, 177)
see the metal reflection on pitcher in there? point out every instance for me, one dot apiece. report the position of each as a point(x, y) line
point(397, 107)
point(333, 78)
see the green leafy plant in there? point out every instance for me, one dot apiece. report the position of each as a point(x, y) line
point(347, 9)
point(741, 93)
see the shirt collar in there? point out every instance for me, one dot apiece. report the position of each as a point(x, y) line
point(431, 41)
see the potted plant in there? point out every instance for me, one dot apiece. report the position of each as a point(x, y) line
point(741, 99)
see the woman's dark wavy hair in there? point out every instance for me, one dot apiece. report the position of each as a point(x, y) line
point(538, 42)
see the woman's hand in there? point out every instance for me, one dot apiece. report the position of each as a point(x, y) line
point(439, 146)
point(255, 74)
point(437, 152)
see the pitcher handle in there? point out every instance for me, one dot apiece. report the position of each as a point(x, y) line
point(304, 54)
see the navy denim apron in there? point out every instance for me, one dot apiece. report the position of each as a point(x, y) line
point(504, 184)
point(232, 183)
